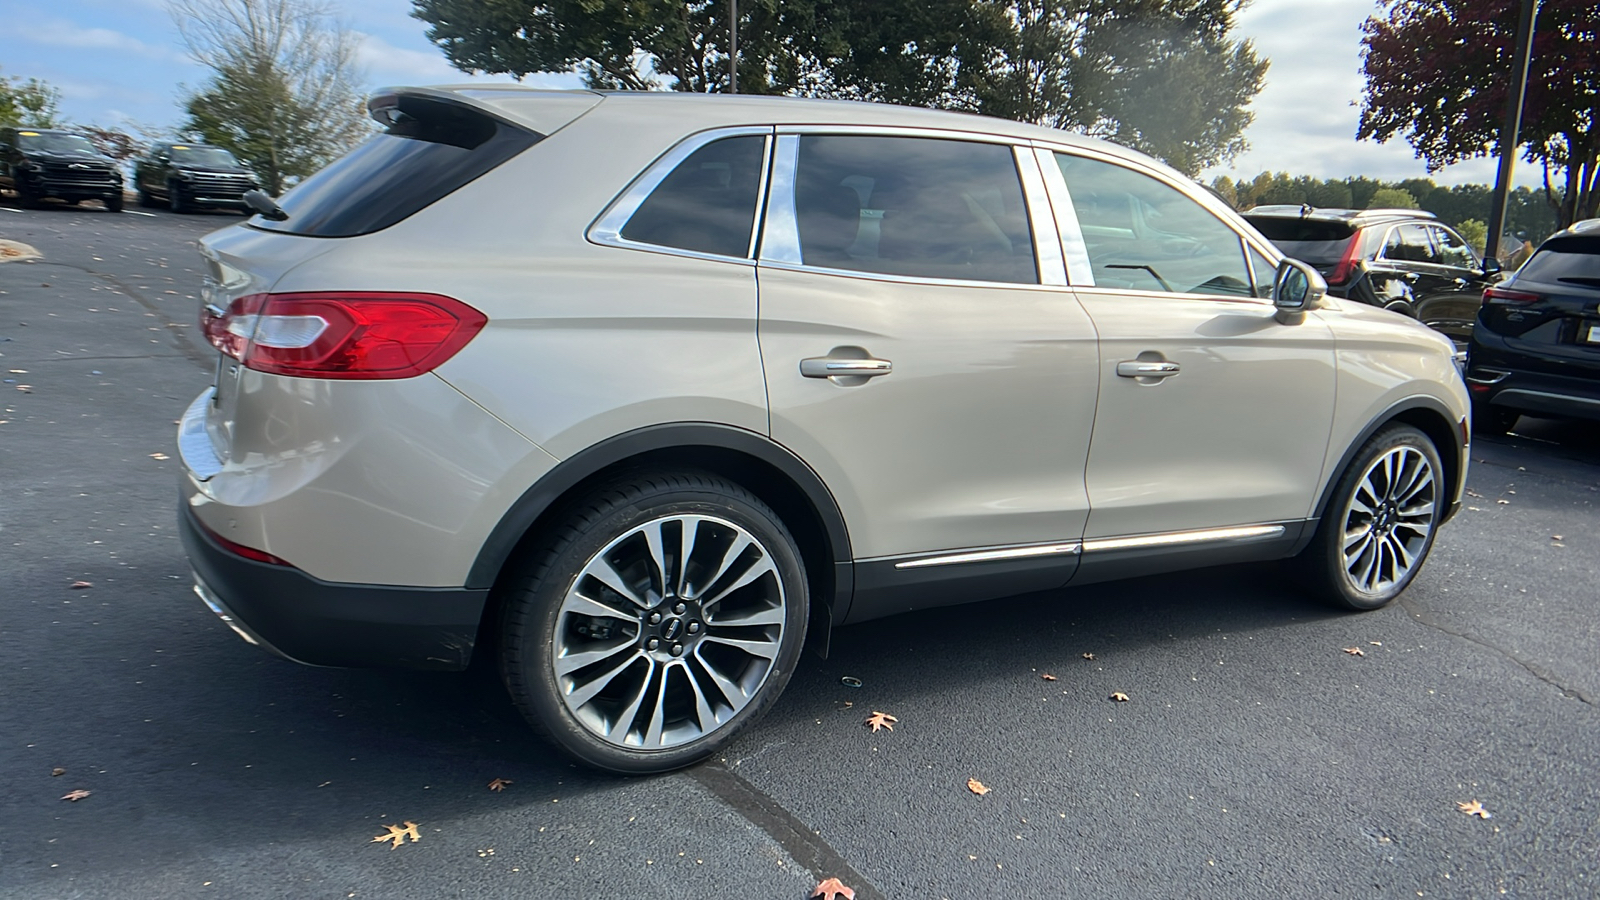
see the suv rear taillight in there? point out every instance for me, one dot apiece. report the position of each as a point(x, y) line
point(1347, 263)
point(358, 335)
point(1499, 293)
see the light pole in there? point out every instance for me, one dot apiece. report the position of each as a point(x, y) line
point(1509, 129)
point(733, 46)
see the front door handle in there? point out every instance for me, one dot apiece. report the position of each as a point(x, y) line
point(833, 367)
point(1140, 368)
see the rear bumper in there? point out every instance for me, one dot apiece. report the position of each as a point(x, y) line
point(321, 623)
point(1497, 382)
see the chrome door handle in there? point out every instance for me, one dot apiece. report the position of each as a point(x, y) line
point(829, 367)
point(1139, 368)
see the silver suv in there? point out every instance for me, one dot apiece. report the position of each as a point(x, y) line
point(640, 391)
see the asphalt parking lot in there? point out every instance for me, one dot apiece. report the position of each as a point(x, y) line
point(1255, 756)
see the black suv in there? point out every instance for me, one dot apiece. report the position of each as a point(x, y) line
point(1402, 260)
point(191, 176)
point(36, 163)
point(1536, 346)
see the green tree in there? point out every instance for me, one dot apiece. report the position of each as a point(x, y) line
point(1392, 198)
point(1474, 231)
point(1164, 76)
point(1437, 75)
point(283, 90)
point(32, 103)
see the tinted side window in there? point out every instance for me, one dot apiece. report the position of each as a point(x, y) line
point(1453, 251)
point(918, 207)
point(708, 203)
point(1265, 272)
point(1409, 243)
point(1144, 235)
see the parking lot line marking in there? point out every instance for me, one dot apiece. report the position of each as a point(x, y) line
point(135, 212)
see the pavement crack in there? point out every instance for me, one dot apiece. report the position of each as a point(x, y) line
point(1424, 616)
point(174, 329)
point(802, 844)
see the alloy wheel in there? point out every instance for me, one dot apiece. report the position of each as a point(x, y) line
point(1389, 519)
point(668, 632)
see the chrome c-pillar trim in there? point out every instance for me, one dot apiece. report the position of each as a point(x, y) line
point(1242, 532)
point(1036, 550)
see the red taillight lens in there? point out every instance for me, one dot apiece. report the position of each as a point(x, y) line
point(348, 335)
point(1347, 263)
point(1510, 296)
point(238, 549)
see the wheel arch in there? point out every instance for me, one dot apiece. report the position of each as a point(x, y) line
point(768, 470)
point(1432, 418)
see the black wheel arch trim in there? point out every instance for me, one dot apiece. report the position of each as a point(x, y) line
point(1457, 465)
point(569, 473)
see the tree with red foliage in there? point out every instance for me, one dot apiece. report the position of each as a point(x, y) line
point(1439, 73)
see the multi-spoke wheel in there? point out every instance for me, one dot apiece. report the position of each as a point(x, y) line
point(665, 617)
point(1379, 525)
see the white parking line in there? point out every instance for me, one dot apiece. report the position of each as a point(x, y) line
point(9, 209)
point(135, 212)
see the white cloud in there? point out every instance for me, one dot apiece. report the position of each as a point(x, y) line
point(386, 64)
point(62, 33)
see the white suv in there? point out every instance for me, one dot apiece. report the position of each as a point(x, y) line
point(640, 389)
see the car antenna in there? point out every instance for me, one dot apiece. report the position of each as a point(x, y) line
point(261, 203)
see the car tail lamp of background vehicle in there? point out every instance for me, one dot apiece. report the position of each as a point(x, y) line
point(1507, 295)
point(342, 335)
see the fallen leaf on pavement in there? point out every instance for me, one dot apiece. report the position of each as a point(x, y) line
point(976, 786)
point(1355, 651)
point(398, 834)
point(1475, 808)
point(1048, 677)
point(77, 795)
point(80, 585)
point(832, 889)
point(1088, 656)
point(57, 771)
point(1376, 643)
point(1120, 697)
point(499, 784)
point(1555, 537)
point(880, 720)
point(1506, 502)
point(159, 456)
point(25, 388)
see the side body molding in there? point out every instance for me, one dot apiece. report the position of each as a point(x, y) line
point(670, 440)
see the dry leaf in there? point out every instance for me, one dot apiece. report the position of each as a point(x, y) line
point(1556, 537)
point(1120, 697)
point(1355, 651)
point(1506, 502)
point(25, 388)
point(832, 889)
point(880, 720)
point(1088, 656)
point(1048, 677)
point(80, 585)
point(159, 456)
point(1376, 643)
point(398, 835)
point(76, 795)
point(499, 784)
point(57, 771)
point(1475, 808)
point(976, 786)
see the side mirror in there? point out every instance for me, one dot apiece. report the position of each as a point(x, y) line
point(1491, 268)
point(1297, 289)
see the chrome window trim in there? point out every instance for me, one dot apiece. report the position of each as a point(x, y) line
point(1180, 538)
point(1168, 295)
point(780, 240)
point(1026, 551)
point(607, 229)
point(1048, 261)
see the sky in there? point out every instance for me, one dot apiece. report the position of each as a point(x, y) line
point(121, 61)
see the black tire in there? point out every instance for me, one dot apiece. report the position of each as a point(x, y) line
point(27, 198)
point(145, 200)
point(659, 641)
point(1496, 420)
point(175, 198)
point(1395, 530)
point(1403, 307)
point(114, 204)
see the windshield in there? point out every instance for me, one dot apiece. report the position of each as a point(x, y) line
point(204, 156)
point(56, 143)
point(1318, 242)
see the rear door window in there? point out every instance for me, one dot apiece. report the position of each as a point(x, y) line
point(1453, 251)
point(707, 204)
point(1409, 243)
point(916, 207)
point(430, 149)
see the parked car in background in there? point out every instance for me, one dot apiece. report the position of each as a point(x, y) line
point(39, 163)
point(1536, 346)
point(499, 378)
point(186, 177)
point(1402, 260)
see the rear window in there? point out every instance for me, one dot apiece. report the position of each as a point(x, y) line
point(1309, 240)
point(429, 150)
point(1565, 260)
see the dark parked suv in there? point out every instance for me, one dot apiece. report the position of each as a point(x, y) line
point(191, 176)
point(1402, 260)
point(36, 163)
point(1536, 346)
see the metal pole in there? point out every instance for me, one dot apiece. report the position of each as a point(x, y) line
point(1509, 130)
point(733, 46)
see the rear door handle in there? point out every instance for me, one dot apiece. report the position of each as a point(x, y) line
point(831, 367)
point(1139, 368)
